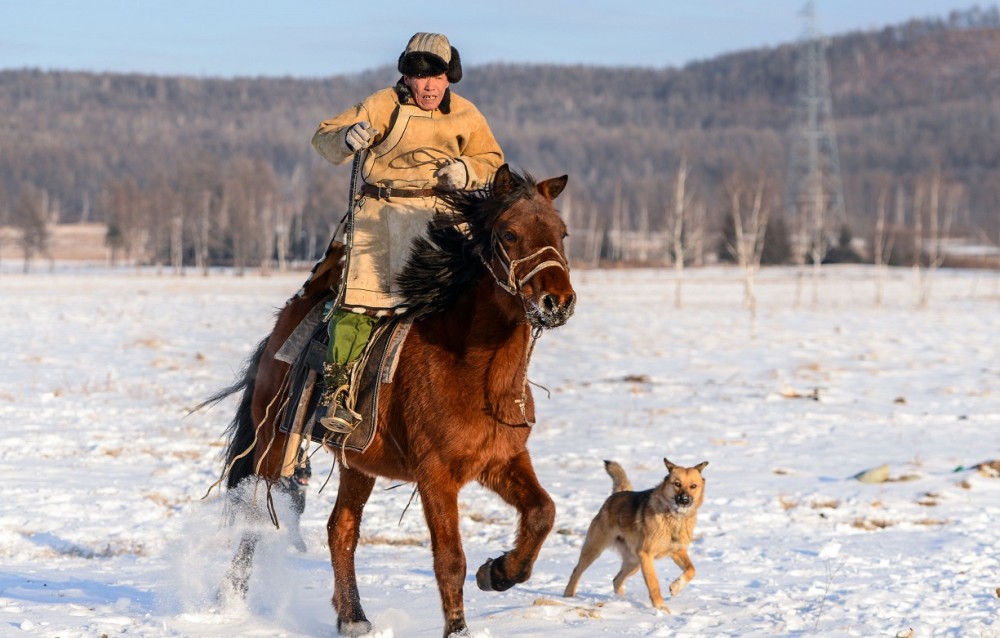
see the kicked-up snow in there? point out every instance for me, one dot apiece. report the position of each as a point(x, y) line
point(104, 529)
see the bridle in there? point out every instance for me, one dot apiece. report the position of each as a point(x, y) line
point(512, 284)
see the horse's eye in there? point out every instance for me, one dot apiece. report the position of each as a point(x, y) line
point(509, 236)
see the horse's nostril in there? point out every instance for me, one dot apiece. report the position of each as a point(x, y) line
point(549, 302)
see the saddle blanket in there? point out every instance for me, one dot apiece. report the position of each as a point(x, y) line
point(306, 350)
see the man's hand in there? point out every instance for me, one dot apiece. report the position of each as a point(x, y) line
point(360, 136)
point(453, 175)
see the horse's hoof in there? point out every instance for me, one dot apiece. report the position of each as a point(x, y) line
point(298, 542)
point(232, 589)
point(489, 580)
point(353, 628)
point(483, 576)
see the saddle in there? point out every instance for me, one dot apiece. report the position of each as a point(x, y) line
point(306, 351)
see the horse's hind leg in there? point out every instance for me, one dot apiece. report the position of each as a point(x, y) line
point(244, 507)
point(237, 580)
point(343, 530)
point(517, 484)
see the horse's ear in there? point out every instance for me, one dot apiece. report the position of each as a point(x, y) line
point(503, 181)
point(551, 188)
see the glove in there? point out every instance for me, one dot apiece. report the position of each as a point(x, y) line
point(454, 175)
point(360, 136)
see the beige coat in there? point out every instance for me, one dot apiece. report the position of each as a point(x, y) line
point(404, 155)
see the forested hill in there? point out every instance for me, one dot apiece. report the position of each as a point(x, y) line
point(909, 101)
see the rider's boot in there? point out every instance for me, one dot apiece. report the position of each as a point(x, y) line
point(336, 413)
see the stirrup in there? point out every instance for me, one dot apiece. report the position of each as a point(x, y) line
point(340, 420)
point(339, 417)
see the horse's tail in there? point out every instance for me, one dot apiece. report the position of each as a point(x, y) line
point(241, 432)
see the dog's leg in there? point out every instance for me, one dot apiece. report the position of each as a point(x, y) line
point(652, 582)
point(593, 545)
point(630, 565)
point(684, 562)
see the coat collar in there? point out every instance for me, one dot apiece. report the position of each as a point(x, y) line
point(406, 97)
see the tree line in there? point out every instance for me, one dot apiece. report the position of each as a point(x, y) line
point(200, 171)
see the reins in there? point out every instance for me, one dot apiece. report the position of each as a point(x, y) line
point(522, 403)
point(513, 286)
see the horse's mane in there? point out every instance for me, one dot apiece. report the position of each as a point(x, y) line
point(446, 262)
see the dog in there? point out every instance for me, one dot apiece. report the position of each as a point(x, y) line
point(644, 526)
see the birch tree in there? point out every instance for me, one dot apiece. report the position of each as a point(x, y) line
point(750, 205)
point(883, 239)
point(677, 215)
point(939, 220)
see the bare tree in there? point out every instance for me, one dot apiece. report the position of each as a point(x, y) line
point(199, 185)
point(281, 235)
point(3, 217)
point(677, 214)
point(128, 229)
point(159, 196)
point(31, 218)
point(203, 234)
point(265, 197)
point(592, 253)
point(248, 196)
point(939, 221)
point(750, 206)
point(616, 235)
point(697, 232)
point(177, 242)
point(642, 247)
point(569, 218)
point(819, 243)
point(883, 240)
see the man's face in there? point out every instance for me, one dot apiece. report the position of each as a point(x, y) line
point(427, 92)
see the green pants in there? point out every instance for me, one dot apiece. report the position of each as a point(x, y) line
point(349, 333)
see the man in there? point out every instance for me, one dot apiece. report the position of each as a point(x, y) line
point(413, 137)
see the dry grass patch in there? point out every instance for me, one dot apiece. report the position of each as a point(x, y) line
point(824, 504)
point(391, 541)
point(871, 524)
point(787, 503)
point(153, 343)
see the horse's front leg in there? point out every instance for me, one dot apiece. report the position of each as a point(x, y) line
point(343, 530)
point(440, 502)
point(517, 484)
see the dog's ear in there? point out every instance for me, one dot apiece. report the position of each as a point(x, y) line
point(701, 466)
point(670, 466)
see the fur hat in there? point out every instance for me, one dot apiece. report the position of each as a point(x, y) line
point(429, 54)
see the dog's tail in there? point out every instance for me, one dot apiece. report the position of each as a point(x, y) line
point(618, 476)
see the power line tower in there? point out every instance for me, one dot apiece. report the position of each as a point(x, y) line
point(814, 197)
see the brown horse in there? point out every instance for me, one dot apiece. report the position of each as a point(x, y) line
point(459, 408)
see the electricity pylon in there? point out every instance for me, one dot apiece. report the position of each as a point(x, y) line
point(814, 197)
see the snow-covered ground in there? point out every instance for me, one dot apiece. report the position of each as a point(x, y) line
point(103, 529)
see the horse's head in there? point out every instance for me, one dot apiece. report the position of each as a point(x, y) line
point(512, 231)
point(525, 253)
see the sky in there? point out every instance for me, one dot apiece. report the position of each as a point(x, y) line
point(319, 38)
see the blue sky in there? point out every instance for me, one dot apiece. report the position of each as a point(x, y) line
point(317, 38)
